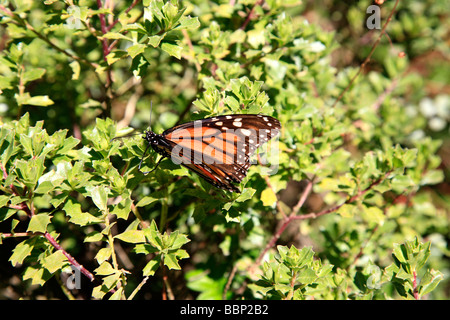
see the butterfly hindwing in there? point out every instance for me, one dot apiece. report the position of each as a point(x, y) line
point(218, 148)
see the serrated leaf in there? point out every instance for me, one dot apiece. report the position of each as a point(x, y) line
point(31, 75)
point(172, 49)
point(39, 223)
point(38, 276)
point(246, 194)
point(151, 267)
point(136, 49)
point(180, 240)
point(55, 261)
point(122, 209)
point(116, 55)
point(189, 23)
point(430, 281)
point(73, 210)
point(21, 251)
point(76, 68)
point(171, 261)
point(155, 40)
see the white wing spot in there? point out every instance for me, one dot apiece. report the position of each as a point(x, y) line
point(237, 124)
point(246, 132)
point(219, 123)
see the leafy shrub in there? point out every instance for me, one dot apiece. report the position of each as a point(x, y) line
point(356, 203)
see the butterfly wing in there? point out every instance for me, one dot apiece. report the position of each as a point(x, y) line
point(219, 148)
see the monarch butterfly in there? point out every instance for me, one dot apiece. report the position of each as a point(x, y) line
point(218, 149)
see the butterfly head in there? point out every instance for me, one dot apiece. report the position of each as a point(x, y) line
point(151, 137)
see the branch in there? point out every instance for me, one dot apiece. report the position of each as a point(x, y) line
point(293, 216)
point(135, 2)
point(71, 259)
point(30, 212)
point(366, 61)
point(28, 26)
point(106, 51)
point(250, 14)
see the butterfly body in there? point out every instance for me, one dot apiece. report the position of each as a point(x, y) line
point(218, 148)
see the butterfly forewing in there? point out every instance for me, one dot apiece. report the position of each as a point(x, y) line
point(218, 148)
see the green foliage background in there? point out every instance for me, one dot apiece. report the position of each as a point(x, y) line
point(359, 205)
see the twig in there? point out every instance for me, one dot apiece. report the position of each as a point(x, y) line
point(167, 290)
point(250, 14)
point(415, 289)
point(385, 94)
point(71, 259)
point(30, 212)
point(366, 61)
point(137, 288)
point(191, 49)
point(135, 2)
point(106, 51)
point(28, 26)
point(312, 215)
point(229, 281)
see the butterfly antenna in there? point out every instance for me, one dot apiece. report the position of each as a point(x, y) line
point(151, 108)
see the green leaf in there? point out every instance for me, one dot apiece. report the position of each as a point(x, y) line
point(268, 197)
point(122, 209)
point(246, 194)
point(41, 101)
point(39, 223)
point(103, 254)
point(172, 49)
point(4, 200)
point(155, 40)
point(99, 195)
point(136, 49)
point(54, 262)
point(151, 267)
point(116, 35)
point(180, 240)
point(105, 269)
point(146, 201)
point(430, 281)
point(21, 251)
point(73, 210)
point(432, 177)
point(115, 56)
point(38, 276)
point(171, 261)
point(187, 22)
point(132, 236)
point(31, 75)
point(76, 68)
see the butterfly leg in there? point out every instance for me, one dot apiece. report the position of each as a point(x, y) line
point(157, 164)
